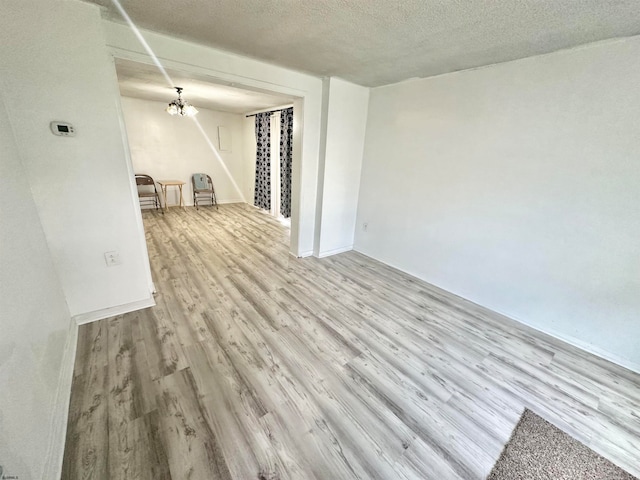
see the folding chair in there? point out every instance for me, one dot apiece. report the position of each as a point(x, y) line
point(203, 189)
point(147, 192)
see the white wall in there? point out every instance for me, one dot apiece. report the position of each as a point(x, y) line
point(56, 67)
point(34, 326)
point(249, 157)
point(244, 72)
point(340, 165)
point(173, 148)
point(517, 186)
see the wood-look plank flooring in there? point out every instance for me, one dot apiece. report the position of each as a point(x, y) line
point(258, 365)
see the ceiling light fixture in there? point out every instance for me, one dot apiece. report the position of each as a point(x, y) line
point(181, 107)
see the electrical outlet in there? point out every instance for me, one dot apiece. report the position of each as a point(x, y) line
point(112, 258)
point(365, 226)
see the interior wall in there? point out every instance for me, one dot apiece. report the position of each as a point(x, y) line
point(242, 71)
point(173, 148)
point(34, 321)
point(341, 164)
point(516, 186)
point(249, 157)
point(83, 186)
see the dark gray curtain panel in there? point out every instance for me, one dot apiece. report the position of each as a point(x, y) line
point(286, 155)
point(262, 192)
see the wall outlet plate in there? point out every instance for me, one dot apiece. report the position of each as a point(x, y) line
point(112, 258)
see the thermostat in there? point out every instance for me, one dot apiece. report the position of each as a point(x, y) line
point(63, 129)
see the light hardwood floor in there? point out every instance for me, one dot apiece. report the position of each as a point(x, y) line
point(258, 365)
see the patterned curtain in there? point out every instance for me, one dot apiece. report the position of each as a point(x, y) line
point(286, 154)
point(262, 193)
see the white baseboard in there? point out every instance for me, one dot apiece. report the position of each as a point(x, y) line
point(60, 411)
point(113, 311)
point(304, 254)
point(220, 202)
point(190, 204)
point(335, 251)
point(587, 347)
point(575, 342)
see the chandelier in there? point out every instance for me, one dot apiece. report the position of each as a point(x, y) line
point(181, 107)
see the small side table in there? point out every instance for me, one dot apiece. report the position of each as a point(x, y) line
point(171, 183)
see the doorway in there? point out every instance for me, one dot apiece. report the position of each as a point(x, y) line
point(271, 139)
point(212, 142)
point(304, 91)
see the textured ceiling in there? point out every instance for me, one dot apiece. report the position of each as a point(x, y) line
point(377, 42)
point(147, 82)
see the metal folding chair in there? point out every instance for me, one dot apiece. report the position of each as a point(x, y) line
point(147, 192)
point(203, 189)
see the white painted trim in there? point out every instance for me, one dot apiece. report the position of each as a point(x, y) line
point(303, 254)
point(60, 410)
point(133, 188)
point(191, 204)
point(335, 251)
point(264, 110)
point(243, 72)
point(582, 345)
point(151, 208)
point(89, 317)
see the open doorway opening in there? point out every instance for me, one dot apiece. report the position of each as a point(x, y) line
point(216, 142)
point(273, 144)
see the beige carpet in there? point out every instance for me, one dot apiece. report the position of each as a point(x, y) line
point(538, 450)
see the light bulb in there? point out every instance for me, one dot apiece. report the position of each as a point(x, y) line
point(190, 110)
point(172, 109)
